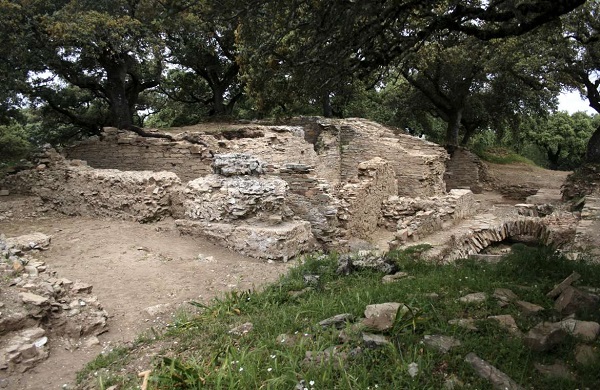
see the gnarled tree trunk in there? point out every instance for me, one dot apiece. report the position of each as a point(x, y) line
point(592, 154)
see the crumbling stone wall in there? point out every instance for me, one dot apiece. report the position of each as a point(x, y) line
point(127, 151)
point(419, 164)
point(587, 235)
point(362, 200)
point(464, 170)
point(414, 218)
point(241, 208)
point(73, 188)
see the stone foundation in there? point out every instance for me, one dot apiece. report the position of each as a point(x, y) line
point(277, 242)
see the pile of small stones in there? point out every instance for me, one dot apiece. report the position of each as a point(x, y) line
point(35, 305)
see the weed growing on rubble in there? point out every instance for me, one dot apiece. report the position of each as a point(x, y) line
point(287, 349)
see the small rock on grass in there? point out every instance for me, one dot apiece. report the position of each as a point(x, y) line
point(394, 277)
point(544, 336)
point(474, 298)
point(242, 330)
point(466, 323)
point(505, 294)
point(338, 321)
point(441, 343)
point(584, 330)
point(498, 379)
point(373, 341)
point(557, 370)
point(529, 309)
point(507, 322)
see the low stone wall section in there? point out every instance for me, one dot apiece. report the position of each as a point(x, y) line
point(414, 218)
point(73, 188)
point(127, 151)
point(276, 242)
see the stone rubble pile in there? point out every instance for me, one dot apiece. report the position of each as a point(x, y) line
point(38, 305)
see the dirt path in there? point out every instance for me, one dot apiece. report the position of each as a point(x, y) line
point(132, 267)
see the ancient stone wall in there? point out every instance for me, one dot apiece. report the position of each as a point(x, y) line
point(76, 189)
point(414, 218)
point(587, 235)
point(245, 210)
point(127, 151)
point(464, 170)
point(419, 164)
point(361, 200)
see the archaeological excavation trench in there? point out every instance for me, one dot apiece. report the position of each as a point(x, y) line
point(272, 192)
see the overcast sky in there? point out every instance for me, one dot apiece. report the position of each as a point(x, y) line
point(572, 102)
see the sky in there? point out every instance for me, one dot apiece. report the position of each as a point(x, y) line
point(572, 102)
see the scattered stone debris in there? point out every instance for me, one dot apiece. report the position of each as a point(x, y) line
point(562, 286)
point(39, 305)
point(572, 300)
point(349, 263)
point(584, 330)
point(505, 295)
point(586, 354)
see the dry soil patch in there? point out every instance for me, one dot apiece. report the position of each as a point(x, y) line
point(132, 267)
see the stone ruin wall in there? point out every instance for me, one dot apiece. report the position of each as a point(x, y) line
point(73, 188)
point(362, 199)
point(414, 218)
point(128, 151)
point(419, 164)
point(464, 170)
point(309, 178)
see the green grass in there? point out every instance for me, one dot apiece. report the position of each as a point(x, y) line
point(502, 156)
point(206, 356)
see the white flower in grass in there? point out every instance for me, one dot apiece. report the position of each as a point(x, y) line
point(273, 356)
point(312, 383)
point(269, 369)
point(241, 369)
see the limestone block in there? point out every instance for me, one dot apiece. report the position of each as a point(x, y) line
point(279, 242)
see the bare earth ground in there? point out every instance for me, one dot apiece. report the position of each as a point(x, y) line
point(134, 266)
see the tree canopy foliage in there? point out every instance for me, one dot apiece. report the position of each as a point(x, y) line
point(466, 66)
